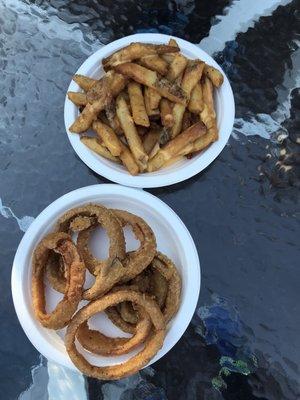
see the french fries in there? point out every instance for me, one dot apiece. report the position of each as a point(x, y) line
point(108, 136)
point(94, 144)
point(79, 99)
point(150, 78)
point(166, 115)
point(214, 75)
point(155, 63)
point(173, 148)
point(131, 133)
point(137, 103)
point(152, 108)
point(196, 101)
point(190, 78)
point(135, 51)
point(84, 82)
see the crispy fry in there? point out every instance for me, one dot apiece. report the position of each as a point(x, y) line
point(131, 134)
point(208, 115)
point(155, 63)
point(154, 99)
point(200, 143)
point(214, 75)
point(111, 118)
point(136, 97)
point(173, 43)
point(135, 51)
point(108, 136)
point(196, 101)
point(147, 98)
point(190, 78)
point(172, 161)
point(150, 139)
point(93, 144)
point(168, 57)
point(172, 148)
point(150, 78)
point(78, 98)
point(177, 66)
point(166, 115)
point(112, 81)
point(84, 82)
point(128, 160)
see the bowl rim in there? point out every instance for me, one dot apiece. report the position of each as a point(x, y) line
point(167, 176)
point(51, 346)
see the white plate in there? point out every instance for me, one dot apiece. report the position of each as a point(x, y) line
point(224, 104)
point(173, 239)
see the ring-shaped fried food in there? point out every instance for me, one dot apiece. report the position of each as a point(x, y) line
point(98, 343)
point(74, 268)
point(151, 347)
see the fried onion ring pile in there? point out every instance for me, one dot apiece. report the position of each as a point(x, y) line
point(138, 290)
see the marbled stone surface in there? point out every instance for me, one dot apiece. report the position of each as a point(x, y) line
point(242, 211)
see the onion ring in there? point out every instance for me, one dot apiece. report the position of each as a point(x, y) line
point(135, 261)
point(151, 347)
point(95, 342)
point(75, 274)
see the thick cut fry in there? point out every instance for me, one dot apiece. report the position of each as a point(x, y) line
point(112, 81)
point(196, 101)
point(147, 98)
point(110, 118)
point(131, 133)
point(155, 63)
point(190, 78)
point(172, 161)
point(200, 144)
point(93, 144)
point(166, 115)
point(136, 98)
point(128, 160)
point(84, 82)
point(208, 115)
point(135, 51)
point(168, 57)
point(79, 99)
point(108, 137)
point(150, 78)
point(150, 139)
point(154, 99)
point(173, 148)
point(214, 75)
point(177, 66)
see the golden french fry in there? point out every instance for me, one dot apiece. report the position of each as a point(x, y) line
point(111, 118)
point(150, 139)
point(84, 82)
point(135, 51)
point(173, 43)
point(128, 160)
point(200, 144)
point(173, 148)
point(108, 136)
point(208, 115)
point(150, 78)
point(137, 103)
point(147, 98)
point(172, 161)
point(131, 134)
point(168, 57)
point(93, 144)
point(196, 101)
point(155, 63)
point(192, 75)
point(214, 75)
point(166, 115)
point(112, 81)
point(154, 99)
point(79, 99)
point(155, 150)
point(177, 66)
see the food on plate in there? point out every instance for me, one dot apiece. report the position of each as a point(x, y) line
point(74, 269)
point(146, 87)
point(139, 290)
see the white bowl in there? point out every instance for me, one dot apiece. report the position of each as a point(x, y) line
point(224, 104)
point(173, 239)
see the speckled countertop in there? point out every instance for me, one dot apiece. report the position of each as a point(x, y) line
point(242, 211)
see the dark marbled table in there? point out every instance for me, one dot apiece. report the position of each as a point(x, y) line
point(243, 211)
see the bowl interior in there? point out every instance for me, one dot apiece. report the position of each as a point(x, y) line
point(93, 68)
point(172, 239)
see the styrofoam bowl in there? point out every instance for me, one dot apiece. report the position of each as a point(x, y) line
point(178, 172)
point(173, 239)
